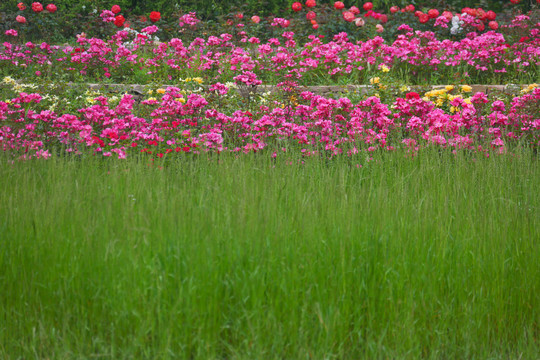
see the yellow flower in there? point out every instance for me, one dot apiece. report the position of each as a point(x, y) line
point(439, 102)
point(182, 100)
point(161, 91)
point(377, 95)
point(467, 101)
point(187, 79)
point(9, 80)
point(383, 87)
point(404, 88)
point(198, 80)
point(385, 68)
point(453, 109)
point(449, 87)
point(466, 88)
point(374, 80)
point(529, 88)
point(440, 92)
point(152, 99)
point(150, 92)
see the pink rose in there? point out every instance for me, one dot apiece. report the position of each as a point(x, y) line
point(37, 7)
point(51, 8)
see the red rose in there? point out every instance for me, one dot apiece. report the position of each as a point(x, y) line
point(20, 19)
point(394, 9)
point(311, 15)
point(447, 14)
point(155, 16)
point(21, 6)
point(482, 27)
point(296, 6)
point(423, 18)
point(368, 6)
point(315, 26)
point(116, 9)
point(384, 19)
point(412, 95)
point(119, 21)
point(37, 7)
point(339, 5)
point(493, 25)
point(515, 1)
point(51, 8)
point(311, 3)
point(433, 13)
point(481, 14)
point(409, 8)
point(490, 15)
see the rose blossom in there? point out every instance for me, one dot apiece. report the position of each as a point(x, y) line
point(348, 16)
point(119, 21)
point(37, 7)
point(155, 16)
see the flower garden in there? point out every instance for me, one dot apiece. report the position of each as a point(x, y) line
point(342, 181)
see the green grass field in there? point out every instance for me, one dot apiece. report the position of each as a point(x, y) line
point(249, 258)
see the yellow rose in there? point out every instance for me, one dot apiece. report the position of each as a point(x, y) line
point(161, 91)
point(374, 80)
point(466, 88)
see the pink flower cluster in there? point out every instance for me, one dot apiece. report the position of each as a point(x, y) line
point(189, 19)
point(315, 125)
point(412, 51)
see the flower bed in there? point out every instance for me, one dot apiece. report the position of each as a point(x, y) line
point(290, 95)
point(172, 121)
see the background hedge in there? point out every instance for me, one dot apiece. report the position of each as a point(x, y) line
point(211, 9)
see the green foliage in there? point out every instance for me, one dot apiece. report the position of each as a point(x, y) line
point(432, 257)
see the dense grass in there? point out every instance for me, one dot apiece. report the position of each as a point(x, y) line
point(246, 258)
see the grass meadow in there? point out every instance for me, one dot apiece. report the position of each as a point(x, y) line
point(248, 257)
